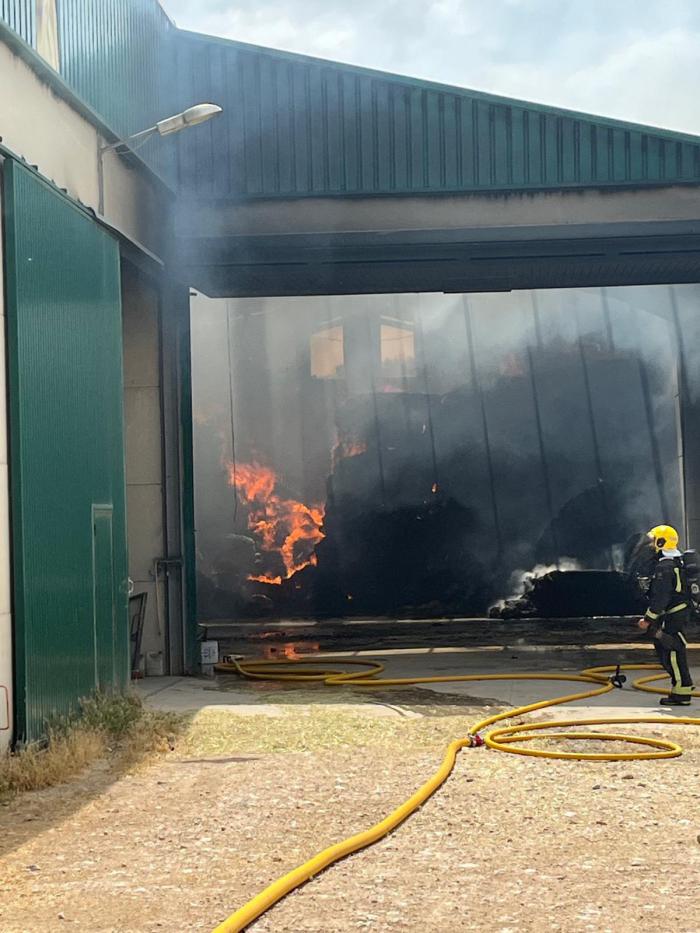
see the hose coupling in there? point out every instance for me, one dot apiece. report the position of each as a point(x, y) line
point(618, 679)
point(476, 741)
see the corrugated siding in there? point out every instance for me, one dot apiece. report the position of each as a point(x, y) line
point(116, 55)
point(67, 451)
point(293, 126)
point(113, 54)
point(20, 15)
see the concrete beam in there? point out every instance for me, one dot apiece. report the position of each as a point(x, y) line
point(564, 209)
point(443, 260)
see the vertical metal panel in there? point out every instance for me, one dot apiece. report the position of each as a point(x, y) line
point(433, 139)
point(283, 129)
point(114, 55)
point(514, 138)
point(384, 135)
point(20, 15)
point(315, 105)
point(320, 128)
point(466, 143)
point(103, 595)
point(67, 449)
point(332, 130)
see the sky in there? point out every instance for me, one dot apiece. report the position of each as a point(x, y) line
point(636, 60)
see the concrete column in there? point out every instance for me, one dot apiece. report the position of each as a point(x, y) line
point(6, 646)
point(155, 325)
point(175, 310)
point(144, 450)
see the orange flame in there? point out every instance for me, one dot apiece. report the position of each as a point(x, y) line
point(285, 526)
point(345, 448)
point(292, 651)
point(354, 449)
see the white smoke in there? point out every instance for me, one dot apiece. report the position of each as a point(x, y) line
point(521, 581)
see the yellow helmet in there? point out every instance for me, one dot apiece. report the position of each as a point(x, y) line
point(664, 537)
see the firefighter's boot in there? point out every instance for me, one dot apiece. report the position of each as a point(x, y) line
point(676, 699)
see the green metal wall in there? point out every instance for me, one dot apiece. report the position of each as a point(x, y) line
point(297, 126)
point(67, 451)
point(115, 56)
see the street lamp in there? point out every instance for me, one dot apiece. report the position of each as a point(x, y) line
point(193, 116)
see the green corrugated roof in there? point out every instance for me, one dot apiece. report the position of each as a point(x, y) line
point(298, 126)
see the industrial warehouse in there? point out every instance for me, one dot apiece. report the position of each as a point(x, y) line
point(305, 359)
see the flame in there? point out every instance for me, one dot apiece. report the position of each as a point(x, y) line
point(284, 526)
point(292, 651)
point(346, 447)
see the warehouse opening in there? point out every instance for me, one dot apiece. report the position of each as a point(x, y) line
point(418, 455)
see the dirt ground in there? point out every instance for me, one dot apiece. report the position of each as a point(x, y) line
point(509, 844)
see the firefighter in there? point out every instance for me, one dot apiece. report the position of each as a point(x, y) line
point(669, 613)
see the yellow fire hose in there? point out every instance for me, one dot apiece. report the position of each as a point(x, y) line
point(513, 739)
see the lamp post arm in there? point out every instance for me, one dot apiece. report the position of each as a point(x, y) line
point(193, 116)
point(129, 139)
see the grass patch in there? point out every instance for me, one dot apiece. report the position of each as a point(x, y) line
point(214, 732)
point(118, 726)
point(218, 733)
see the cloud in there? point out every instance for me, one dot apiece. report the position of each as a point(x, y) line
point(652, 80)
point(631, 59)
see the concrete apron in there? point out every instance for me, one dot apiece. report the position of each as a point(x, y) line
point(531, 660)
point(254, 698)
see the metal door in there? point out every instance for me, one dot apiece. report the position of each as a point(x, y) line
point(67, 451)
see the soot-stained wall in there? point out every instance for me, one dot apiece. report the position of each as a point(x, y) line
point(408, 454)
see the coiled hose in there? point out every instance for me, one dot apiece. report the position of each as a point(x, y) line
point(513, 739)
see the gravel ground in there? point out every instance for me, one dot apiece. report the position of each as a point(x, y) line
point(509, 844)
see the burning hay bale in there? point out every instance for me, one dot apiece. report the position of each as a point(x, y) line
point(561, 594)
point(288, 530)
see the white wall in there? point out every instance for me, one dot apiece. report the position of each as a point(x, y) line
point(5, 590)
